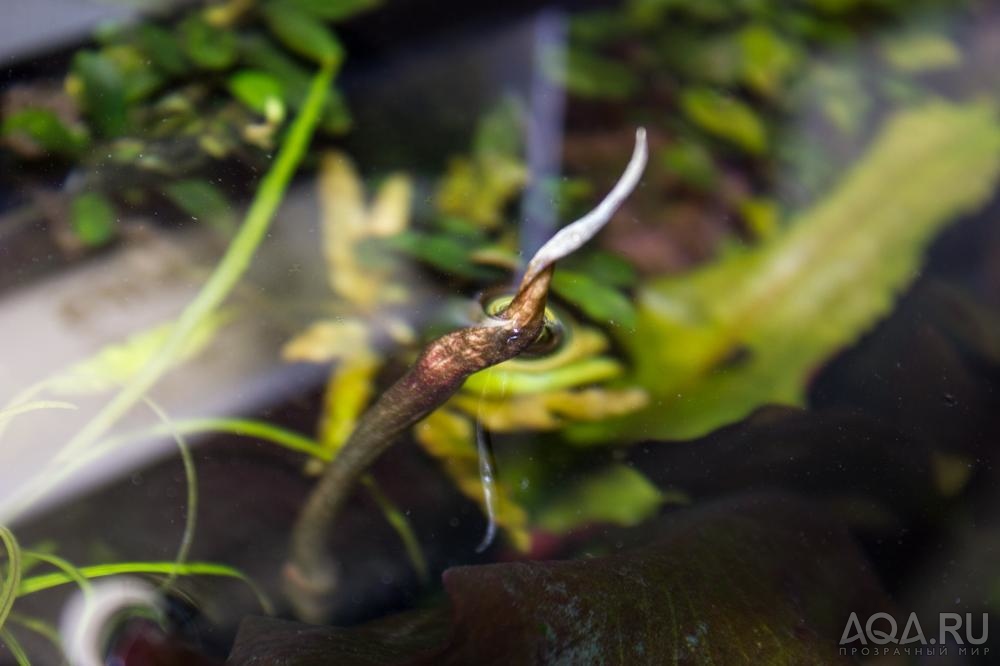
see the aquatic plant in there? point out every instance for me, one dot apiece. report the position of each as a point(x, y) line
point(438, 373)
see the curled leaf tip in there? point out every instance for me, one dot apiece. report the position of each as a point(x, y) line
point(571, 237)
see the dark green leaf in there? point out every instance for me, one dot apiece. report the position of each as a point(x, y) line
point(591, 75)
point(691, 163)
point(207, 46)
point(45, 129)
point(102, 92)
point(602, 266)
point(601, 303)
point(303, 33)
point(446, 253)
point(162, 48)
point(93, 218)
point(202, 201)
point(334, 10)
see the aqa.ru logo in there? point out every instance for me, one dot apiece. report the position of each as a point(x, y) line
point(881, 631)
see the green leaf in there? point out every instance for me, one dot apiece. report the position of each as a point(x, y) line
point(202, 201)
point(302, 33)
point(45, 129)
point(921, 52)
point(605, 267)
point(751, 329)
point(334, 10)
point(162, 48)
point(445, 253)
point(692, 163)
point(767, 59)
point(102, 92)
point(619, 495)
point(93, 218)
point(590, 75)
point(725, 117)
point(600, 302)
point(207, 46)
point(256, 89)
point(116, 364)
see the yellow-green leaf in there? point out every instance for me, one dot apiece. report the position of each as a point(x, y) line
point(751, 328)
point(618, 495)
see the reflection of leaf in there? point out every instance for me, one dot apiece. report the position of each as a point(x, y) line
point(93, 218)
point(450, 438)
point(46, 129)
point(202, 201)
point(350, 386)
point(921, 52)
point(115, 364)
point(618, 495)
point(762, 579)
point(725, 117)
point(713, 345)
point(347, 221)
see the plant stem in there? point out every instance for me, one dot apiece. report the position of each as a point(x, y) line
point(442, 368)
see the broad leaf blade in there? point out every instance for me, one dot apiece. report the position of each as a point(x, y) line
point(750, 329)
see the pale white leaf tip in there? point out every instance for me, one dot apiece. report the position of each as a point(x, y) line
point(571, 237)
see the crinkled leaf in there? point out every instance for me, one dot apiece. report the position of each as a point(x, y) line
point(750, 329)
point(45, 129)
point(618, 494)
point(601, 303)
point(93, 218)
point(303, 33)
point(450, 438)
point(725, 117)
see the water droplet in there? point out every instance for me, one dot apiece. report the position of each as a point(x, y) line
point(950, 400)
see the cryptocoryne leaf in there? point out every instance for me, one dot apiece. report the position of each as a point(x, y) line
point(750, 329)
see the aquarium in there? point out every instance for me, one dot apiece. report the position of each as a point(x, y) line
point(410, 332)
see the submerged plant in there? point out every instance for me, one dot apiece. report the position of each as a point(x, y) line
point(438, 373)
